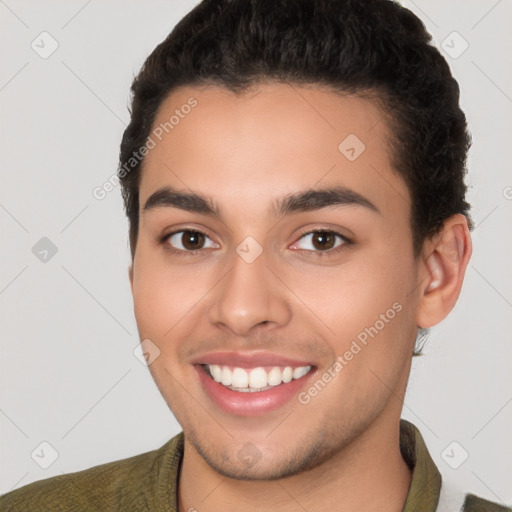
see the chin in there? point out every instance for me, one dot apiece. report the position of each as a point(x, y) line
point(248, 463)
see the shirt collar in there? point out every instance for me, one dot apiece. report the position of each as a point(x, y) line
point(426, 480)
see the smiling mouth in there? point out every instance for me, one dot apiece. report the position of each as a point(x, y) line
point(252, 380)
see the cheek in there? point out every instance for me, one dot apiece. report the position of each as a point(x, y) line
point(157, 296)
point(373, 324)
point(166, 297)
point(381, 316)
point(353, 295)
point(367, 306)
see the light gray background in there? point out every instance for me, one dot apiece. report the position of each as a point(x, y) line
point(68, 373)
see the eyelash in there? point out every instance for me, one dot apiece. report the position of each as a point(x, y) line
point(346, 242)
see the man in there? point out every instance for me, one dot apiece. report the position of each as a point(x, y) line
point(293, 175)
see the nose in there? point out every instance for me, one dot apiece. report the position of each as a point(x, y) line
point(248, 296)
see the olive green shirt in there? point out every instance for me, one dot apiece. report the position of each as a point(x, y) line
point(148, 482)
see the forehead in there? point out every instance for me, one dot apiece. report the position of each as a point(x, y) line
point(271, 141)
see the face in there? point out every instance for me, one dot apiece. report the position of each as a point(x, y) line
point(274, 274)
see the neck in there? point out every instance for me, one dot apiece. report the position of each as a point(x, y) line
point(368, 474)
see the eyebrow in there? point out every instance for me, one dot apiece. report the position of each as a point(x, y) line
point(304, 201)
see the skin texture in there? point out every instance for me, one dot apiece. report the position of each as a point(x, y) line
point(246, 152)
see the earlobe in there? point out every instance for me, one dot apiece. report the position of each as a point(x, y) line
point(444, 265)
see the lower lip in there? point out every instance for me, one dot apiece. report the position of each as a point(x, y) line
point(250, 404)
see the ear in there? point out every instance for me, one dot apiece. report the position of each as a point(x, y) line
point(130, 276)
point(443, 264)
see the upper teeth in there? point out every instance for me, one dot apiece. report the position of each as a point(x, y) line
point(256, 378)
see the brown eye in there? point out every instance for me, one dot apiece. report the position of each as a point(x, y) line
point(189, 241)
point(321, 241)
point(192, 240)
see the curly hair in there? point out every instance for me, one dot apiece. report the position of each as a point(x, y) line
point(375, 48)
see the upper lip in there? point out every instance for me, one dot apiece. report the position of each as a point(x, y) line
point(248, 359)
